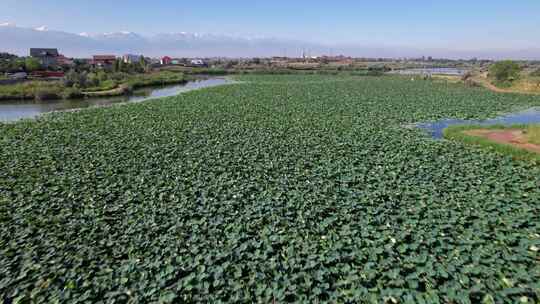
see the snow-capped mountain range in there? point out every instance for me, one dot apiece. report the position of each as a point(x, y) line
point(19, 40)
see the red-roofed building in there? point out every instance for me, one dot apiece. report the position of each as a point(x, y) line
point(166, 60)
point(63, 60)
point(103, 60)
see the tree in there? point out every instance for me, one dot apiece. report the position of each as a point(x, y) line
point(142, 62)
point(116, 67)
point(74, 79)
point(32, 64)
point(7, 56)
point(505, 71)
point(121, 67)
point(10, 63)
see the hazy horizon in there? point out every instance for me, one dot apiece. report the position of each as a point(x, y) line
point(459, 29)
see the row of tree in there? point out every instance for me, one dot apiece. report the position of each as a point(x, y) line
point(143, 66)
point(10, 63)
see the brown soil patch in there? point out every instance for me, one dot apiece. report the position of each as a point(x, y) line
point(512, 137)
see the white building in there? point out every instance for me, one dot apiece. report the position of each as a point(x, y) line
point(129, 58)
point(197, 62)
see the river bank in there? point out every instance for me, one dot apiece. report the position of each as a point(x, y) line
point(13, 110)
point(51, 90)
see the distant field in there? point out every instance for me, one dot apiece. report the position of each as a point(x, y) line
point(272, 190)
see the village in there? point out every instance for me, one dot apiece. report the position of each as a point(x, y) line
point(50, 63)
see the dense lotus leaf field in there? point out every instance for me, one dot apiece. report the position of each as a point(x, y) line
point(275, 189)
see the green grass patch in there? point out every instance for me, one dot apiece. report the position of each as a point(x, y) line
point(533, 134)
point(103, 86)
point(39, 90)
point(457, 133)
point(162, 78)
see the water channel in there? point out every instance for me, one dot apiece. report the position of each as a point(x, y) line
point(435, 129)
point(12, 110)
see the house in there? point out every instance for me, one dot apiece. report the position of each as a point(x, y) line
point(64, 61)
point(103, 60)
point(129, 58)
point(18, 75)
point(166, 60)
point(47, 57)
point(197, 62)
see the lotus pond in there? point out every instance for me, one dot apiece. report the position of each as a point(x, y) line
point(276, 189)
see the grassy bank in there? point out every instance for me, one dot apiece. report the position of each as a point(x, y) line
point(525, 84)
point(44, 90)
point(276, 189)
point(533, 134)
point(155, 79)
point(38, 90)
point(138, 81)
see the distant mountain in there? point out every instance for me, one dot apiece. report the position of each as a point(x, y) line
point(19, 40)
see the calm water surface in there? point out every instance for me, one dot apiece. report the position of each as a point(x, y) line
point(530, 116)
point(16, 109)
point(437, 71)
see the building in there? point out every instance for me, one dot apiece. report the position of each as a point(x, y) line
point(155, 61)
point(18, 75)
point(130, 58)
point(103, 60)
point(197, 62)
point(166, 60)
point(47, 57)
point(64, 61)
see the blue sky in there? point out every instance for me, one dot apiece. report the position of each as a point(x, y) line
point(438, 24)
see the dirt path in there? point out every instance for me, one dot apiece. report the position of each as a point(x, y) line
point(483, 81)
point(511, 137)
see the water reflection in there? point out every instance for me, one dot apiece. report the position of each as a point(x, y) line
point(431, 71)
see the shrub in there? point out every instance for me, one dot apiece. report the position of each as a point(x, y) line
point(69, 93)
point(32, 64)
point(45, 93)
point(374, 73)
point(505, 71)
point(536, 73)
point(74, 78)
